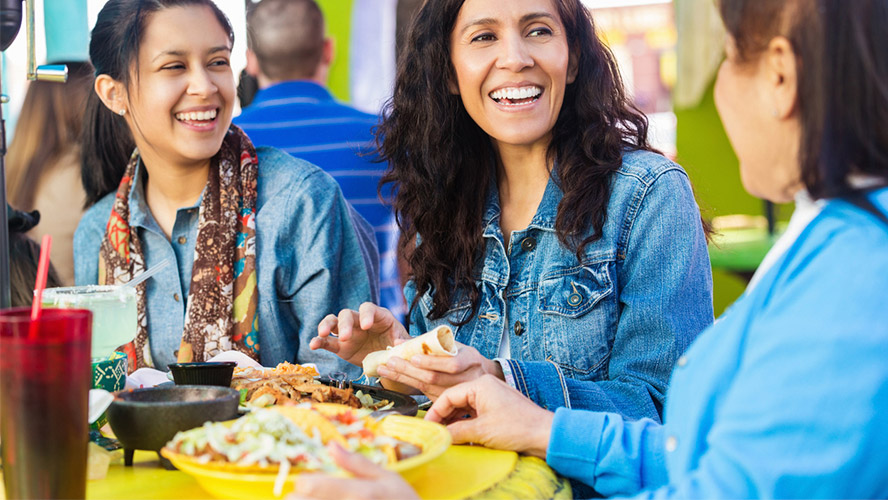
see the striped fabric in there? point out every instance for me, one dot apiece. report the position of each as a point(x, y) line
point(303, 119)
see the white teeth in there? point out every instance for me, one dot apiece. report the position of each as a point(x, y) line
point(512, 93)
point(195, 116)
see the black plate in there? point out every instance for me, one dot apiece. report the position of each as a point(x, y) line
point(403, 404)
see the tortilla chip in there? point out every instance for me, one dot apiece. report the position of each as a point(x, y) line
point(310, 422)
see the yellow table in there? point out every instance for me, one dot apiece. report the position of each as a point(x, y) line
point(461, 472)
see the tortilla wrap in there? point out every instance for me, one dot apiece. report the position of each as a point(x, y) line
point(438, 342)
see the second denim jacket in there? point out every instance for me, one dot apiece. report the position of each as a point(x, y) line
point(602, 333)
point(314, 256)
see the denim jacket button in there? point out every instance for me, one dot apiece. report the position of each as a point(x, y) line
point(182, 240)
point(176, 297)
point(575, 299)
point(671, 444)
point(519, 328)
point(528, 243)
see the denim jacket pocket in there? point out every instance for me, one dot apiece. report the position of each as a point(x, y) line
point(456, 314)
point(578, 309)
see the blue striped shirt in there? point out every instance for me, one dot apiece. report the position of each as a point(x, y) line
point(303, 119)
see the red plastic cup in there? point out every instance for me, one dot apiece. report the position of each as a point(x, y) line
point(44, 393)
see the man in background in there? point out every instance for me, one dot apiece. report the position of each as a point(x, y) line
point(290, 57)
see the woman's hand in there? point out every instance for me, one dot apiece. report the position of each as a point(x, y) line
point(370, 481)
point(434, 374)
point(354, 334)
point(489, 412)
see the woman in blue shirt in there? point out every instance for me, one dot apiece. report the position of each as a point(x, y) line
point(568, 258)
point(259, 242)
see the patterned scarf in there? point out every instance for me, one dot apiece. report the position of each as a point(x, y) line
point(221, 312)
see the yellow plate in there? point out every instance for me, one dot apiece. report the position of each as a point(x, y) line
point(433, 438)
point(461, 472)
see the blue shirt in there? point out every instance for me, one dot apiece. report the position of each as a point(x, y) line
point(786, 396)
point(602, 333)
point(303, 119)
point(314, 256)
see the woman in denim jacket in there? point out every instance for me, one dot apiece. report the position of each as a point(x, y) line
point(569, 258)
point(786, 396)
point(258, 241)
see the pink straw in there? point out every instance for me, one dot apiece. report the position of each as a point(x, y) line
point(42, 272)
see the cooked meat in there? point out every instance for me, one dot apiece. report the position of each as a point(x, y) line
point(295, 388)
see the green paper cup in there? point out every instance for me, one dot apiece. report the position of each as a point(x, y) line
point(108, 374)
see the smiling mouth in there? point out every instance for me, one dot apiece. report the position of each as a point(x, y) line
point(516, 96)
point(198, 118)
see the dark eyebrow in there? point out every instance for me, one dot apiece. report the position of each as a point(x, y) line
point(220, 48)
point(536, 15)
point(524, 19)
point(182, 53)
point(176, 53)
point(478, 22)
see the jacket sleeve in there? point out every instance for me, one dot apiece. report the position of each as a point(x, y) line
point(664, 281)
point(606, 452)
point(327, 265)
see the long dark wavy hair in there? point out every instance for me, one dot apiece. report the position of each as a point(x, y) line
point(113, 51)
point(441, 163)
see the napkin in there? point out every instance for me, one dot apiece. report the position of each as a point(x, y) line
point(145, 377)
point(242, 360)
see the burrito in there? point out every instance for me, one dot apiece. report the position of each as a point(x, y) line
point(438, 342)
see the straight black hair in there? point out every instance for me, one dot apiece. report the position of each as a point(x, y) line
point(114, 51)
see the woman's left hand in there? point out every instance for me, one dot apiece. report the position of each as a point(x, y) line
point(369, 481)
point(490, 413)
point(434, 374)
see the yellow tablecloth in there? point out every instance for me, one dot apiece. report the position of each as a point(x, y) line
point(461, 472)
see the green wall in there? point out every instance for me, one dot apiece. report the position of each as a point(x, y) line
point(706, 154)
point(337, 15)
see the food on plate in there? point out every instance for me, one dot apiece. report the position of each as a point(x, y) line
point(284, 368)
point(289, 383)
point(297, 388)
point(289, 438)
point(438, 342)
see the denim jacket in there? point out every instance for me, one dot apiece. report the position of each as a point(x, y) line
point(602, 333)
point(314, 256)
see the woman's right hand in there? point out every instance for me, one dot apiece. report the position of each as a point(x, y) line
point(354, 334)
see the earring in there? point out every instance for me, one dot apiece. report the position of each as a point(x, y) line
point(123, 112)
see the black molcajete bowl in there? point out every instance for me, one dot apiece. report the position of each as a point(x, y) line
point(206, 373)
point(146, 419)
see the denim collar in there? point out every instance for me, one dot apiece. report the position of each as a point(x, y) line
point(545, 215)
point(291, 91)
point(140, 214)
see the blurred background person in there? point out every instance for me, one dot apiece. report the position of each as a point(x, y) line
point(290, 56)
point(44, 161)
point(24, 255)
